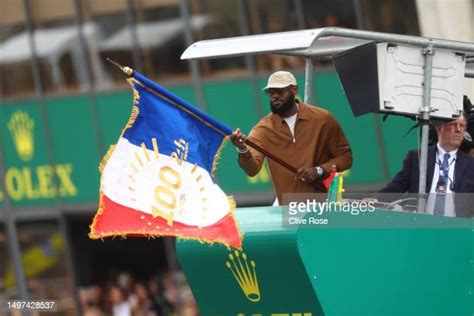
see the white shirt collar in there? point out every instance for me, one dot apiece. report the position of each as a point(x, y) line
point(441, 152)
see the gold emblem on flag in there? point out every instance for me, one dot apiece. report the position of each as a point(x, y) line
point(245, 275)
point(167, 199)
point(21, 128)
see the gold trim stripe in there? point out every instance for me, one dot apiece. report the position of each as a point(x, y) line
point(155, 147)
point(140, 162)
point(145, 152)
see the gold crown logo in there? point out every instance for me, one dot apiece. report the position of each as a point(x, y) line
point(245, 276)
point(21, 128)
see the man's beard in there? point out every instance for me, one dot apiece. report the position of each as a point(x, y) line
point(284, 108)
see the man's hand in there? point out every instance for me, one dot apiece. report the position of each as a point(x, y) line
point(238, 139)
point(307, 174)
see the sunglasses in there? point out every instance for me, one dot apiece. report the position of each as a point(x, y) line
point(272, 91)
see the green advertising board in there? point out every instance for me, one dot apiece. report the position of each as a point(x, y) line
point(266, 278)
point(28, 175)
point(32, 176)
point(379, 263)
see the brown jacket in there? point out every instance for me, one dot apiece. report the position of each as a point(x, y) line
point(319, 141)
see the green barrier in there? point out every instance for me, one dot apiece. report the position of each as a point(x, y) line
point(365, 267)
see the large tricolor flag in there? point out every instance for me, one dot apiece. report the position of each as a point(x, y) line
point(157, 179)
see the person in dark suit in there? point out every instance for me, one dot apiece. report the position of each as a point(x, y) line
point(449, 170)
point(468, 143)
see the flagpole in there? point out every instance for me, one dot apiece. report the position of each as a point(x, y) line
point(126, 70)
point(272, 156)
point(319, 183)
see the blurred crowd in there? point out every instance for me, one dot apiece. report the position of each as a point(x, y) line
point(161, 295)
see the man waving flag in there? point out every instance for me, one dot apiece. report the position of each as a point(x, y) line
point(157, 179)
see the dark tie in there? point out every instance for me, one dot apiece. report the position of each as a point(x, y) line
point(442, 186)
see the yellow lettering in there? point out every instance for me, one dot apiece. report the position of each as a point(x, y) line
point(178, 159)
point(66, 186)
point(180, 144)
point(31, 191)
point(46, 185)
point(156, 212)
point(21, 183)
point(165, 197)
point(14, 183)
point(182, 150)
point(170, 177)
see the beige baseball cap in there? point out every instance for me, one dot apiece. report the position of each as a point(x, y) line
point(280, 79)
